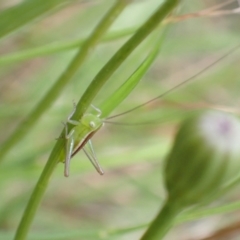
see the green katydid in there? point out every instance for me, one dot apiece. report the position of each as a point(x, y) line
point(80, 135)
point(80, 138)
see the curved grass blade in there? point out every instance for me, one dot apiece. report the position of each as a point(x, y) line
point(127, 87)
point(58, 47)
point(185, 217)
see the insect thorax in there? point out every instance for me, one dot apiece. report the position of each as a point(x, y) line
point(91, 121)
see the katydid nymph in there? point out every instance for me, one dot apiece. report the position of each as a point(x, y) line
point(83, 130)
point(80, 138)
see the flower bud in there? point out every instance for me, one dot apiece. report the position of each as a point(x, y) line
point(204, 158)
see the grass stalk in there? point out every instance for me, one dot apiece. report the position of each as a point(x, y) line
point(162, 223)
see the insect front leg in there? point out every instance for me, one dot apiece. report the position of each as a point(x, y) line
point(73, 122)
point(69, 141)
point(69, 120)
point(99, 112)
point(69, 145)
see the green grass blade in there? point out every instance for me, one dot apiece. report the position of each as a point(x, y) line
point(127, 87)
point(27, 11)
point(58, 47)
point(186, 217)
point(197, 214)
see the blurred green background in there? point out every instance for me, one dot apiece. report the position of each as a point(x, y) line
point(87, 205)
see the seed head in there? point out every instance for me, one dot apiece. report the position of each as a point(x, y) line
point(205, 156)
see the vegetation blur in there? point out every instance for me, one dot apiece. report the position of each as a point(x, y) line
point(35, 50)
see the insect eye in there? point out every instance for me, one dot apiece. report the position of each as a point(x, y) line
point(92, 124)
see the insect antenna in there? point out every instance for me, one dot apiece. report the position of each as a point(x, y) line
point(176, 86)
point(131, 124)
point(186, 107)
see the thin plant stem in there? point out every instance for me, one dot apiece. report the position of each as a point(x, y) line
point(64, 79)
point(61, 47)
point(162, 223)
point(34, 201)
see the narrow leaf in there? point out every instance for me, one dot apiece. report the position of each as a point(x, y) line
point(127, 87)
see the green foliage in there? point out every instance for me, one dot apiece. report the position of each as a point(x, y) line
point(121, 203)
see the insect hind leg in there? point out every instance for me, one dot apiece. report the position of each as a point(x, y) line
point(69, 120)
point(88, 150)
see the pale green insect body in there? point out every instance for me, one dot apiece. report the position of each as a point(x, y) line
point(79, 137)
point(87, 125)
